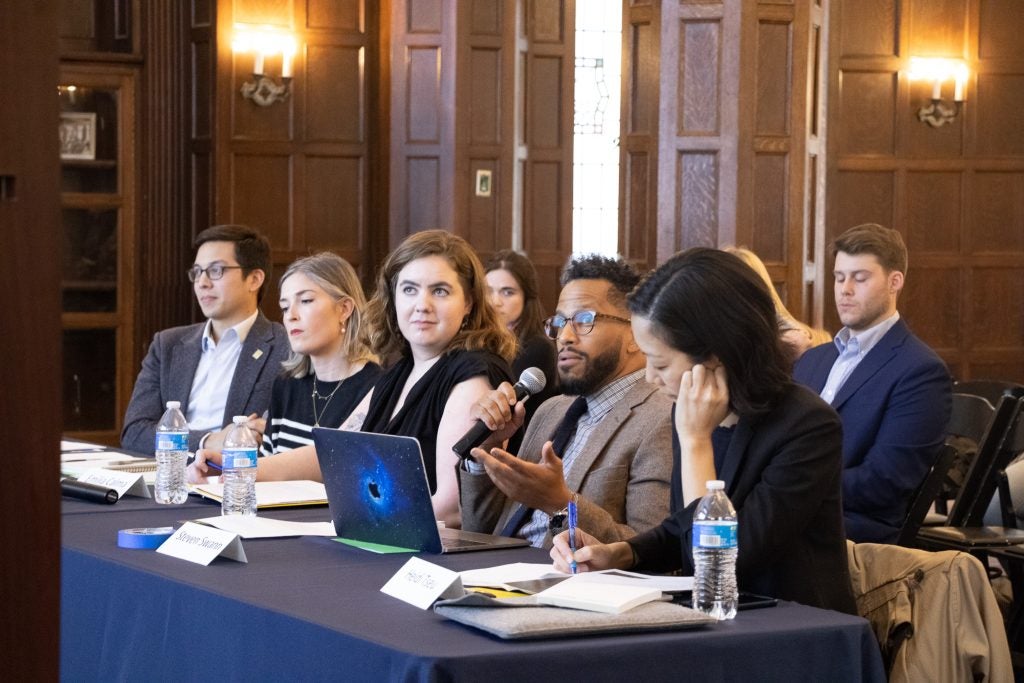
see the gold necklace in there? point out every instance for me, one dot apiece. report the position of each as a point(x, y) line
point(316, 394)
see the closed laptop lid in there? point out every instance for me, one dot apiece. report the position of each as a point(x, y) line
point(377, 488)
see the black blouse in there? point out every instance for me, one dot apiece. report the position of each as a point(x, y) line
point(424, 406)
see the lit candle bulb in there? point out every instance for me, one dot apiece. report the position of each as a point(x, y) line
point(958, 93)
point(937, 89)
point(257, 67)
point(286, 65)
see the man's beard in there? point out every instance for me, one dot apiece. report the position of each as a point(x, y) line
point(599, 369)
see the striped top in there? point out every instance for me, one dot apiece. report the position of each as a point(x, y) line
point(290, 420)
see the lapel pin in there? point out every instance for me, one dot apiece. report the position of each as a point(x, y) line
point(257, 353)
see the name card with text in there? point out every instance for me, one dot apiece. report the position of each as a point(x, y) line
point(122, 482)
point(201, 544)
point(420, 583)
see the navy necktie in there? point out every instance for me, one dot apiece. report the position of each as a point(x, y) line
point(564, 432)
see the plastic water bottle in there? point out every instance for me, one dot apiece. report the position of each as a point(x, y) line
point(171, 450)
point(714, 554)
point(239, 463)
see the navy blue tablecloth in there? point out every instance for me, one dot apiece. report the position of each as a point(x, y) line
point(311, 609)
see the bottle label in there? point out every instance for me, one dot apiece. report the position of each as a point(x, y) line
point(236, 458)
point(711, 534)
point(171, 441)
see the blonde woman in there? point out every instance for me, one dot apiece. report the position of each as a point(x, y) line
point(330, 371)
point(797, 336)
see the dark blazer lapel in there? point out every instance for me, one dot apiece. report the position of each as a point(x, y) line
point(604, 431)
point(185, 356)
point(254, 355)
point(824, 362)
point(735, 456)
point(876, 359)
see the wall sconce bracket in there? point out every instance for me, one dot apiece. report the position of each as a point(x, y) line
point(265, 91)
point(938, 114)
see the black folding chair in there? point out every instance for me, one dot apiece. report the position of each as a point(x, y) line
point(1003, 440)
point(989, 389)
point(968, 422)
point(925, 496)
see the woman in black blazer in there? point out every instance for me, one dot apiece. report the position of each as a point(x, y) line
point(707, 325)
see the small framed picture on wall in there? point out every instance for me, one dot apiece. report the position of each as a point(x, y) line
point(77, 135)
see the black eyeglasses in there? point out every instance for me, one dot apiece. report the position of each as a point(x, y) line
point(582, 322)
point(214, 271)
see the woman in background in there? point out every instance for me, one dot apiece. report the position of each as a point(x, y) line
point(797, 336)
point(512, 286)
point(706, 323)
point(430, 320)
point(330, 371)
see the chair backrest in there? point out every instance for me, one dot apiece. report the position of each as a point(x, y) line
point(925, 496)
point(990, 389)
point(1002, 441)
point(970, 416)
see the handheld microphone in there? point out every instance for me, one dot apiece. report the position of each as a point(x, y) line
point(530, 382)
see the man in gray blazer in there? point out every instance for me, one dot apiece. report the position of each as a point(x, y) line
point(605, 444)
point(222, 367)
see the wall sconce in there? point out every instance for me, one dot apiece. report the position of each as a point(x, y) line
point(938, 71)
point(265, 41)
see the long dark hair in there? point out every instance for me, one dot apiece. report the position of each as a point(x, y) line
point(531, 322)
point(706, 302)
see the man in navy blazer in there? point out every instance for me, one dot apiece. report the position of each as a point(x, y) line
point(892, 391)
point(219, 368)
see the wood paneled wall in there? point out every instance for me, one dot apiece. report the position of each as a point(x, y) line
point(638, 157)
point(30, 375)
point(163, 242)
point(738, 135)
point(955, 192)
point(302, 170)
point(485, 85)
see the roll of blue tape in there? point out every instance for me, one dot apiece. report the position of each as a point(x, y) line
point(145, 539)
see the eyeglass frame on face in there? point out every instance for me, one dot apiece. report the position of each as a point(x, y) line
point(579, 327)
point(214, 271)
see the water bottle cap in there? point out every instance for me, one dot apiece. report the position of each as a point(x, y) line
point(716, 485)
point(174, 404)
point(240, 419)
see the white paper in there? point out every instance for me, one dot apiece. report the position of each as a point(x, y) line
point(502, 575)
point(264, 527)
point(623, 578)
point(577, 592)
point(69, 445)
point(94, 456)
point(123, 482)
point(271, 493)
point(420, 583)
point(202, 544)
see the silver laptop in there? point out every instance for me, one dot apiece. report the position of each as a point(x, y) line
point(378, 493)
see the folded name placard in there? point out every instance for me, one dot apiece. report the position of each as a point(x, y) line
point(202, 544)
point(420, 583)
point(123, 482)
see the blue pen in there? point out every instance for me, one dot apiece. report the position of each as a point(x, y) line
point(214, 466)
point(572, 534)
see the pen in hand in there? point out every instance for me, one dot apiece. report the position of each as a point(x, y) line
point(572, 534)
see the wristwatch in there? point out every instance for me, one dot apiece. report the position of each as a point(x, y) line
point(559, 520)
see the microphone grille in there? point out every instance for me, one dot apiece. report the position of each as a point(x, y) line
point(533, 379)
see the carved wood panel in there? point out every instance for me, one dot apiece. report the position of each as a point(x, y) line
point(306, 171)
point(639, 138)
point(955, 192)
